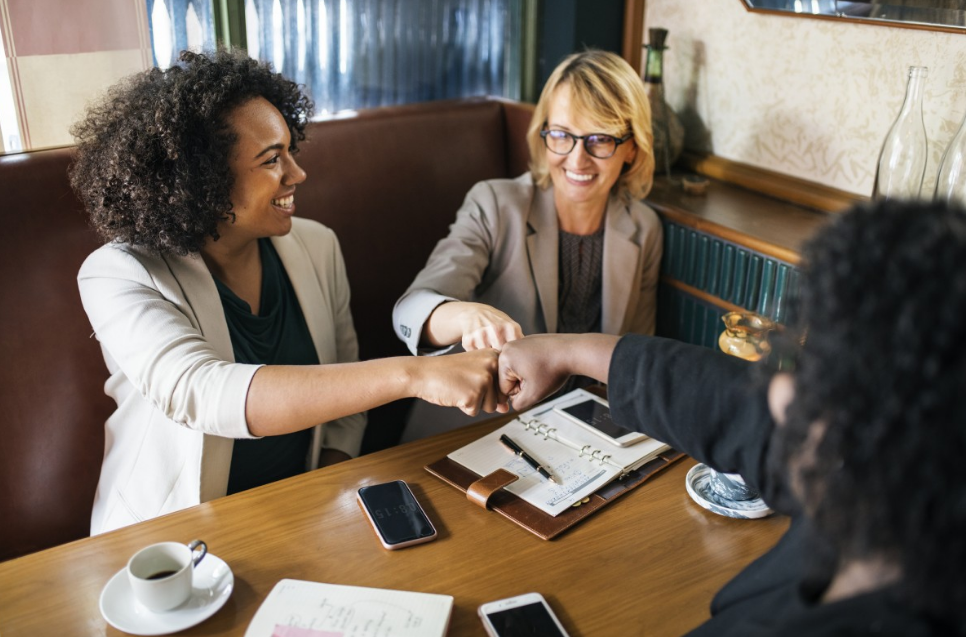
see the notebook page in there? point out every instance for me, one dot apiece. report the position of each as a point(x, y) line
point(296, 608)
point(577, 476)
point(544, 421)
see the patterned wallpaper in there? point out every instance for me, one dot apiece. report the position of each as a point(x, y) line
point(809, 98)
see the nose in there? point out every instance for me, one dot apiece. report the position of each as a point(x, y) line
point(579, 155)
point(294, 174)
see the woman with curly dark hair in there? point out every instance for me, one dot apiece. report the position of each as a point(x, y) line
point(861, 440)
point(223, 318)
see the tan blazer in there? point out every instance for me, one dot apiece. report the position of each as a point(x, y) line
point(180, 395)
point(502, 250)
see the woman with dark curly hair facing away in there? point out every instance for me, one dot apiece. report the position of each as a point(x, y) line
point(860, 437)
point(223, 318)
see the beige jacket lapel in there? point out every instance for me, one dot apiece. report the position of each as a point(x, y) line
point(202, 295)
point(620, 267)
point(542, 246)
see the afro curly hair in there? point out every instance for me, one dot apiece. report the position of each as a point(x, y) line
point(883, 368)
point(151, 165)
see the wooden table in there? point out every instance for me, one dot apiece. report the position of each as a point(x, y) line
point(648, 564)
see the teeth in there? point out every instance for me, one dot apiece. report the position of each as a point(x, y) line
point(577, 177)
point(284, 202)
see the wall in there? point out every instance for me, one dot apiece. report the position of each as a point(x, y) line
point(62, 53)
point(806, 97)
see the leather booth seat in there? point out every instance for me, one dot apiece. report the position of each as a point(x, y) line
point(388, 181)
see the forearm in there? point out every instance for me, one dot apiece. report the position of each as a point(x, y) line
point(586, 354)
point(443, 328)
point(283, 399)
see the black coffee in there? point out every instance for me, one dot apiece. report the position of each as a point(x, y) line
point(161, 575)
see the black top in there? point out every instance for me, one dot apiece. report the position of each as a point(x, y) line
point(707, 404)
point(278, 335)
point(580, 263)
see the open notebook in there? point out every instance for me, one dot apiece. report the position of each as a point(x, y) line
point(580, 459)
point(591, 470)
point(296, 608)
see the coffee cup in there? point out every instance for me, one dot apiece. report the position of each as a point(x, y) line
point(161, 574)
point(732, 486)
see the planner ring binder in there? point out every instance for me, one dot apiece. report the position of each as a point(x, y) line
point(592, 477)
point(524, 514)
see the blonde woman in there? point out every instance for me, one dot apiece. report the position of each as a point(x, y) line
point(569, 246)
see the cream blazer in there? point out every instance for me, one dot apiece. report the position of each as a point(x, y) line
point(502, 250)
point(180, 395)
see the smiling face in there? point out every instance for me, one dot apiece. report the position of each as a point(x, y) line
point(265, 172)
point(579, 179)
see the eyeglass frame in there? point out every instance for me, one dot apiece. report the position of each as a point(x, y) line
point(583, 138)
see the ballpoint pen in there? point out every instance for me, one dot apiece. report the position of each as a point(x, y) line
point(518, 450)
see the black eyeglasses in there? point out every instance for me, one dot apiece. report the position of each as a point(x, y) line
point(597, 145)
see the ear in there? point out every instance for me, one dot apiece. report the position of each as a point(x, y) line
point(632, 154)
point(781, 391)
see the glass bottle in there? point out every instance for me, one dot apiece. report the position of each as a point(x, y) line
point(902, 161)
point(666, 125)
point(951, 183)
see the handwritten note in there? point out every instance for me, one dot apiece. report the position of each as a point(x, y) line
point(296, 608)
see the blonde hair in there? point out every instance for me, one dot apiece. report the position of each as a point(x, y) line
point(607, 91)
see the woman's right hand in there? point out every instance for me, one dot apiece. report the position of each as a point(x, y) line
point(468, 381)
point(475, 325)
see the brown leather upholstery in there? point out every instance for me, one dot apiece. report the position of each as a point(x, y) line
point(388, 181)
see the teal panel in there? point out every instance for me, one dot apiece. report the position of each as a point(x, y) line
point(681, 248)
point(669, 248)
point(714, 328)
point(726, 275)
point(781, 289)
point(740, 278)
point(713, 267)
point(766, 289)
point(728, 271)
point(754, 279)
point(691, 258)
point(683, 316)
point(702, 278)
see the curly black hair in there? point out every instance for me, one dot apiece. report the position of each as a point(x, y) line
point(151, 165)
point(883, 298)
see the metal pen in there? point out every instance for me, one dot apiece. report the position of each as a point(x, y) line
point(518, 450)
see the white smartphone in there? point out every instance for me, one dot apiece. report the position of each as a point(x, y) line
point(525, 615)
point(593, 414)
point(395, 515)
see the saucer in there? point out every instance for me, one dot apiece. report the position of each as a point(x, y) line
point(210, 589)
point(698, 483)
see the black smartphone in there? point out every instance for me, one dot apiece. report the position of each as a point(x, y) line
point(395, 515)
point(593, 414)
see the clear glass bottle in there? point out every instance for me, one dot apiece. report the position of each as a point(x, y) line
point(951, 183)
point(665, 123)
point(902, 161)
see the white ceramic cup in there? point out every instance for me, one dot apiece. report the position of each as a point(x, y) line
point(161, 574)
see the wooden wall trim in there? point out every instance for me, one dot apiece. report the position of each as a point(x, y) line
point(701, 294)
point(732, 235)
point(633, 41)
point(871, 22)
point(774, 184)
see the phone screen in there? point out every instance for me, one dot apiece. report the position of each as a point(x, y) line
point(529, 620)
point(395, 512)
point(597, 416)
